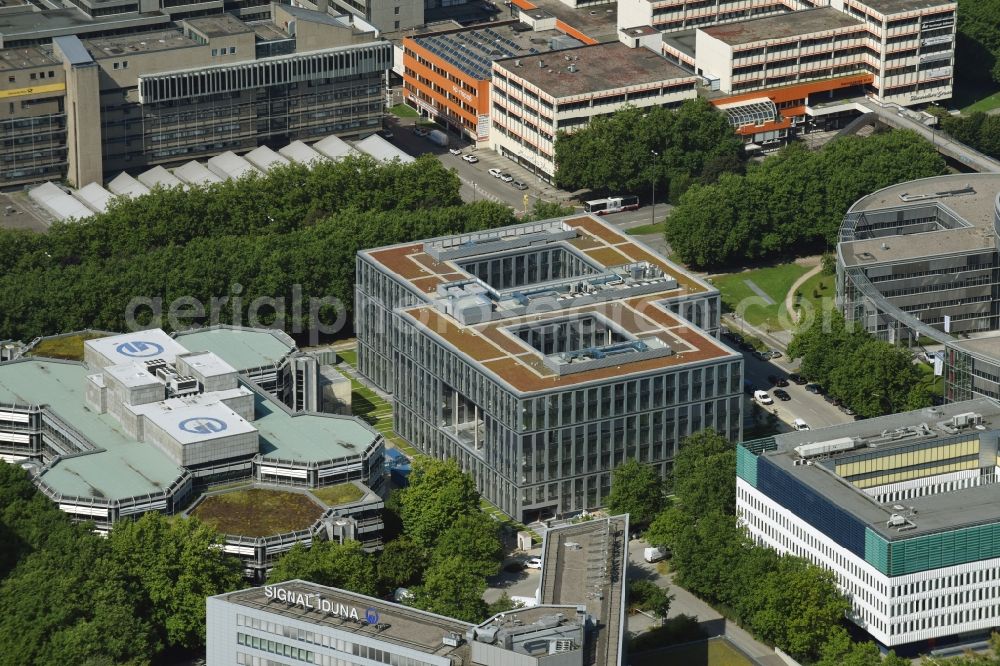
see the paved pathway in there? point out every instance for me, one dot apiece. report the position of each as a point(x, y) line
point(790, 296)
point(760, 292)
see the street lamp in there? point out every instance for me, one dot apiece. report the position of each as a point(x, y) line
point(655, 155)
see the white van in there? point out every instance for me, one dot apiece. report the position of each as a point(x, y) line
point(654, 554)
point(799, 424)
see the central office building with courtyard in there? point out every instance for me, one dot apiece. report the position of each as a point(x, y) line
point(542, 356)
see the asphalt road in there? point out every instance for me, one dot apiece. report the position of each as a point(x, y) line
point(477, 183)
point(811, 408)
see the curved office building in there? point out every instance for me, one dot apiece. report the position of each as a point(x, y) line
point(917, 264)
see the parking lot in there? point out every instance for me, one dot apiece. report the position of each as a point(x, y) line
point(477, 183)
point(812, 408)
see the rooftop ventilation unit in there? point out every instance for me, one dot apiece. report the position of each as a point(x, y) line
point(561, 645)
point(452, 639)
point(826, 447)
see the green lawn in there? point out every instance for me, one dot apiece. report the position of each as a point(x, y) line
point(775, 281)
point(819, 291)
point(403, 111)
point(342, 493)
point(657, 228)
point(258, 512)
point(369, 407)
point(703, 653)
point(987, 103)
point(68, 347)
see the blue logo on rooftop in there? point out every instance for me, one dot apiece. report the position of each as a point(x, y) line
point(139, 349)
point(202, 425)
point(372, 616)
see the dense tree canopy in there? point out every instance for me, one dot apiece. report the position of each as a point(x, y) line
point(255, 237)
point(870, 376)
point(68, 596)
point(615, 153)
point(438, 494)
point(978, 48)
point(794, 201)
point(475, 538)
point(454, 588)
point(637, 490)
point(704, 474)
point(400, 563)
point(343, 565)
point(979, 130)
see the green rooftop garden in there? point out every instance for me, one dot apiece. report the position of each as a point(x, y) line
point(257, 512)
point(342, 493)
point(68, 347)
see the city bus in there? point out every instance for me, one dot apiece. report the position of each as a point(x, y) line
point(611, 204)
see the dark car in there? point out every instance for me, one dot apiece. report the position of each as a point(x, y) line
point(781, 394)
point(777, 381)
point(775, 353)
point(797, 379)
point(833, 401)
point(847, 410)
point(814, 388)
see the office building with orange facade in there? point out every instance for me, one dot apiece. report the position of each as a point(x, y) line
point(447, 74)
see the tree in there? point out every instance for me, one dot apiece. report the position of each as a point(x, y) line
point(438, 494)
point(794, 201)
point(344, 565)
point(704, 474)
point(648, 596)
point(502, 605)
point(475, 538)
point(637, 490)
point(615, 153)
point(871, 376)
point(546, 210)
point(176, 564)
point(840, 650)
point(452, 588)
point(400, 563)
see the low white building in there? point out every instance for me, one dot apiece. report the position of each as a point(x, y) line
point(533, 98)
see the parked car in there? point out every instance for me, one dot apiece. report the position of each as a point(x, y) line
point(534, 563)
point(420, 131)
point(495, 172)
point(762, 397)
point(847, 410)
point(782, 395)
point(774, 353)
point(506, 177)
point(814, 388)
point(471, 159)
point(799, 424)
point(777, 381)
point(386, 134)
point(830, 399)
point(519, 185)
point(797, 379)
point(455, 151)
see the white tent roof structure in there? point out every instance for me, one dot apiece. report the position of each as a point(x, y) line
point(333, 147)
point(382, 150)
point(158, 176)
point(299, 152)
point(58, 204)
point(230, 165)
point(196, 173)
point(264, 158)
point(128, 186)
point(94, 196)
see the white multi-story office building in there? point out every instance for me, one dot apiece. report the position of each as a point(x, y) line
point(535, 97)
point(902, 508)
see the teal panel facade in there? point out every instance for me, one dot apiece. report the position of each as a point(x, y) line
point(946, 549)
point(746, 465)
point(876, 551)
